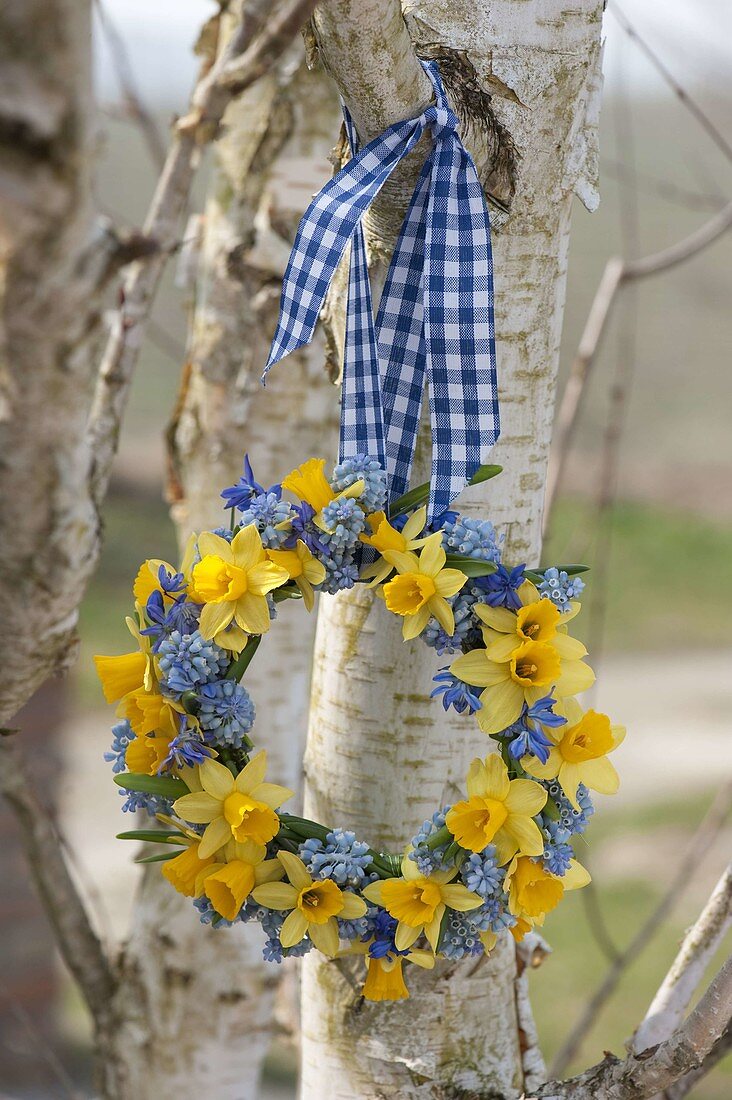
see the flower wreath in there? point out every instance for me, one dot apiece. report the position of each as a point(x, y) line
point(498, 860)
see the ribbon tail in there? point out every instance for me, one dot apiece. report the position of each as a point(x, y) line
point(459, 325)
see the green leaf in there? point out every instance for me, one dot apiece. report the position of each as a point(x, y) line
point(470, 566)
point(154, 836)
point(287, 592)
point(164, 785)
point(420, 493)
point(161, 857)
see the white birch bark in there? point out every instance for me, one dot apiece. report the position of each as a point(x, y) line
point(381, 756)
point(196, 1004)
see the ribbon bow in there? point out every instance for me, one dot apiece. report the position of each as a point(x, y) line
point(435, 316)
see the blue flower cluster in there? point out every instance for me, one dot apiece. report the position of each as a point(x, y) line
point(362, 468)
point(226, 713)
point(571, 820)
point(342, 858)
point(187, 660)
point(430, 859)
point(560, 588)
point(121, 736)
point(456, 694)
point(473, 538)
point(269, 513)
point(527, 737)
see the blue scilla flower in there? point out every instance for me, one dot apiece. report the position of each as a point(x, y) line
point(171, 583)
point(500, 588)
point(430, 859)
point(558, 852)
point(187, 660)
point(560, 588)
point(181, 615)
point(121, 736)
point(186, 749)
point(226, 713)
point(344, 521)
point(455, 693)
point(362, 468)
point(239, 495)
point(474, 538)
point(571, 820)
point(481, 874)
point(527, 735)
point(342, 858)
point(302, 529)
point(381, 927)
point(266, 512)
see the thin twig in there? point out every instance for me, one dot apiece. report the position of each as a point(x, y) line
point(640, 1076)
point(664, 189)
point(78, 943)
point(677, 88)
point(530, 954)
point(133, 102)
point(212, 94)
point(708, 829)
point(617, 272)
point(687, 970)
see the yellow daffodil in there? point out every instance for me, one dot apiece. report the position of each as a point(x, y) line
point(537, 621)
point(421, 587)
point(417, 902)
point(242, 808)
point(386, 537)
point(121, 675)
point(579, 753)
point(498, 811)
point(228, 884)
point(147, 580)
point(150, 712)
point(144, 755)
point(522, 677)
point(314, 903)
point(233, 579)
point(182, 871)
point(385, 980)
point(302, 568)
point(533, 892)
point(309, 483)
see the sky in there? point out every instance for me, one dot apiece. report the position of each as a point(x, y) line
point(694, 38)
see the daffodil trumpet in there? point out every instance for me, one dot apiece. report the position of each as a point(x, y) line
point(495, 862)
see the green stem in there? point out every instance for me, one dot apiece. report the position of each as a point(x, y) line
point(241, 664)
point(442, 836)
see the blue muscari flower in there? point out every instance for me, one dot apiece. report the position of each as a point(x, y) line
point(439, 522)
point(223, 533)
point(474, 538)
point(186, 749)
point(429, 859)
point(455, 693)
point(341, 573)
point(342, 858)
point(500, 588)
point(207, 914)
point(151, 803)
point(121, 736)
point(571, 820)
point(239, 495)
point(352, 929)
point(226, 713)
point(465, 626)
point(362, 468)
point(481, 874)
point(461, 937)
point(557, 850)
point(527, 735)
point(560, 588)
point(343, 521)
point(266, 511)
point(187, 660)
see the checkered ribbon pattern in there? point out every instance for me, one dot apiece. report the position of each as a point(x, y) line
point(434, 324)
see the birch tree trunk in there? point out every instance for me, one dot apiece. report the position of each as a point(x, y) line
point(196, 1004)
point(381, 756)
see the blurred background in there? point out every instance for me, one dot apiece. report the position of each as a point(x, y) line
point(646, 501)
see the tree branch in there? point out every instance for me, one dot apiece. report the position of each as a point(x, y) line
point(212, 94)
point(685, 1084)
point(696, 952)
point(78, 943)
point(641, 1076)
point(709, 827)
point(617, 273)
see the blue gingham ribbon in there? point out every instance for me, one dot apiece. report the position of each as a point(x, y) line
point(435, 318)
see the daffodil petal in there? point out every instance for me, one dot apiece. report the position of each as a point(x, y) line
point(576, 876)
point(198, 808)
point(296, 870)
point(526, 833)
point(574, 677)
point(325, 937)
point(215, 617)
point(405, 936)
point(353, 906)
point(460, 898)
point(450, 581)
point(501, 706)
point(432, 558)
point(276, 895)
point(215, 836)
point(600, 776)
point(272, 794)
point(252, 774)
point(293, 929)
point(216, 780)
point(499, 618)
point(525, 797)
